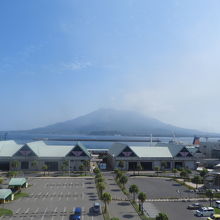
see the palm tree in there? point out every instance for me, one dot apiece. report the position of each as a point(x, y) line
point(123, 180)
point(133, 189)
point(96, 170)
point(142, 197)
point(98, 175)
point(106, 197)
point(100, 180)
point(157, 169)
point(15, 164)
point(175, 171)
point(184, 174)
point(139, 168)
point(119, 175)
point(100, 187)
point(162, 216)
point(1, 181)
point(121, 164)
point(34, 164)
point(44, 168)
point(86, 164)
point(210, 195)
point(81, 167)
point(197, 180)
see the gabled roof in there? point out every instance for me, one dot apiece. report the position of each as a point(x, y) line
point(78, 150)
point(43, 150)
point(162, 152)
point(17, 181)
point(4, 193)
point(8, 148)
point(117, 148)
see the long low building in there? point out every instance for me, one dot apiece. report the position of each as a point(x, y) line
point(35, 155)
point(166, 156)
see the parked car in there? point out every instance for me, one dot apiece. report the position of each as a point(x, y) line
point(96, 208)
point(205, 211)
point(77, 214)
point(214, 217)
point(194, 206)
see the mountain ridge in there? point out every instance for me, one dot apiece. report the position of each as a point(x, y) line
point(116, 122)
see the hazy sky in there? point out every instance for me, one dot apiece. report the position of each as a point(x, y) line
point(63, 58)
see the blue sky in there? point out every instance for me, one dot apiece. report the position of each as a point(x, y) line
point(61, 59)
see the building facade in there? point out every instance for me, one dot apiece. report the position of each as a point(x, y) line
point(163, 156)
point(35, 155)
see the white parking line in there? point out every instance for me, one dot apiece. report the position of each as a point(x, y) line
point(68, 194)
point(44, 214)
point(45, 195)
point(82, 195)
point(17, 211)
point(60, 196)
point(54, 212)
point(35, 213)
point(64, 210)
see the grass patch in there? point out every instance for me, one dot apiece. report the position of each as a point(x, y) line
point(20, 195)
point(217, 211)
point(5, 212)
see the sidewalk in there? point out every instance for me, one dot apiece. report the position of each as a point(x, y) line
point(121, 209)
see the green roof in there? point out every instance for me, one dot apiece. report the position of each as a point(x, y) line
point(4, 193)
point(8, 148)
point(17, 181)
point(162, 152)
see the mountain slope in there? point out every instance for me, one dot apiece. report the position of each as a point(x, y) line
point(110, 122)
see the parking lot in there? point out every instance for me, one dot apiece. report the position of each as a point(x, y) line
point(55, 198)
point(163, 188)
point(159, 188)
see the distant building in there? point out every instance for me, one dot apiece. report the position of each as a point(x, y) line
point(210, 149)
point(34, 155)
point(166, 156)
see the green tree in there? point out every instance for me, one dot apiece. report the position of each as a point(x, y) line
point(98, 175)
point(174, 171)
point(100, 180)
point(142, 197)
point(81, 167)
point(121, 164)
point(119, 175)
point(114, 218)
point(157, 169)
point(123, 180)
point(163, 165)
point(100, 187)
point(96, 170)
point(197, 180)
point(134, 190)
point(210, 195)
point(106, 197)
point(139, 168)
point(1, 182)
point(34, 164)
point(203, 172)
point(15, 164)
point(184, 174)
point(44, 168)
point(86, 164)
point(162, 216)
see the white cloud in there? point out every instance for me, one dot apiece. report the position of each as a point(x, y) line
point(75, 65)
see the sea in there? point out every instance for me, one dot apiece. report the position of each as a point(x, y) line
point(22, 138)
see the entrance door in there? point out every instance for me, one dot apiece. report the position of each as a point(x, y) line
point(147, 165)
point(178, 165)
point(132, 165)
point(4, 166)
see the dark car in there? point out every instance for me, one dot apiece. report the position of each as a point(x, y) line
point(77, 214)
point(96, 208)
point(194, 206)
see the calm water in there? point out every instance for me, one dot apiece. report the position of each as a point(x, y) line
point(22, 138)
